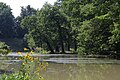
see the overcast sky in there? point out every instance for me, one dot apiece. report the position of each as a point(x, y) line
point(15, 4)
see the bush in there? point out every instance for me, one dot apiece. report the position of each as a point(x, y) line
point(41, 50)
point(4, 49)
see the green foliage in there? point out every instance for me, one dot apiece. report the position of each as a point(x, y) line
point(29, 69)
point(85, 37)
point(25, 12)
point(13, 77)
point(96, 23)
point(103, 29)
point(40, 50)
point(4, 49)
point(29, 39)
point(6, 21)
point(46, 27)
point(92, 26)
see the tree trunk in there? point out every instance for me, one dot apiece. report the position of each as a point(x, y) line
point(68, 42)
point(75, 41)
point(68, 46)
point(48, 44)
point(57, 48)
point(61, 39)
point(50, 47)
point(75, 44)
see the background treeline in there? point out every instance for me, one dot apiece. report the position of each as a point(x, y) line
point(83, 26)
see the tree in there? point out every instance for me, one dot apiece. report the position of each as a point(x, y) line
point(6, 21)
point(48, 27)
point(91, 26)
point(100, 29)
point(95, 24)
point(59, 20)
point(25, 11)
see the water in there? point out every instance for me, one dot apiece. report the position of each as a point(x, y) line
point(72, 67)
point(82, 72)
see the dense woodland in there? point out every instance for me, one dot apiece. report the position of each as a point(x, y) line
point(82, 26)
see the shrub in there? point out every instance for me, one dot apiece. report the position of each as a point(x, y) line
point(41, 50)
point(4, 49)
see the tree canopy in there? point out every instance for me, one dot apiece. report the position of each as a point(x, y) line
point(83, 26)
point(6, 21)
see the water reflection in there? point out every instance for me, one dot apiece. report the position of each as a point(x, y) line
point(82, 72)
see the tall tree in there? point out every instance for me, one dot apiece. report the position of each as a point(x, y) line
point(95, 24)
point(6, 21)
point(25, 11)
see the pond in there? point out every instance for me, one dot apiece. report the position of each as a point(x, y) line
point(72, 67)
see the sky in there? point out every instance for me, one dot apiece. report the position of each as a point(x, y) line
point(16, 4)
